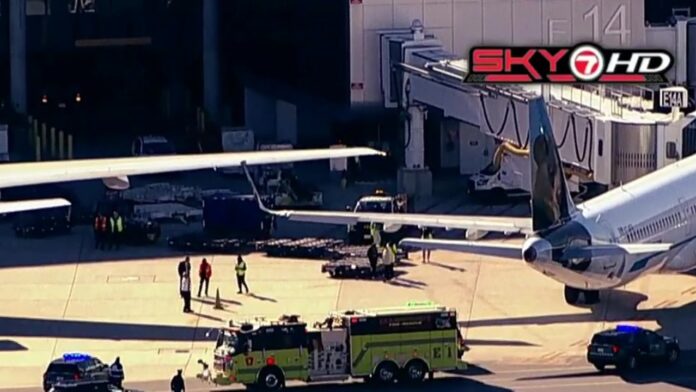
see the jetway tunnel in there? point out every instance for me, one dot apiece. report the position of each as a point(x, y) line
point(592, 124)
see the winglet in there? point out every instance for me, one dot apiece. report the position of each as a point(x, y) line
point(257, 195)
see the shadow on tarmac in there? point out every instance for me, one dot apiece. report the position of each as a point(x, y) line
point(29, 327)
point(441, 384)
point(447, 267)
point(11, 345)
point(680, 375)
point(620, 306)
point(501, 343)
point(261, 298)
point(211, 302)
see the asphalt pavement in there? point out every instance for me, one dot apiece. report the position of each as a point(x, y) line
point(479, 378)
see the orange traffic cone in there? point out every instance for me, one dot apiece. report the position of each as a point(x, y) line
point(218, 302)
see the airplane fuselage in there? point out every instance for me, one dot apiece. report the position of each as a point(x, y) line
point(657, 208)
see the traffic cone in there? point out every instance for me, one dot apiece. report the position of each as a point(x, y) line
point(218, 302)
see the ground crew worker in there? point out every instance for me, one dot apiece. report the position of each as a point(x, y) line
point(241, 274)
point(376, 235)
point(100, 231)
point(389, 258)
point(185, 290)
point(116, 231)
point(204, 273)
point(184, 267)
point(116, 374)
point(426, 233)
point(373, 257)
point(177, 383)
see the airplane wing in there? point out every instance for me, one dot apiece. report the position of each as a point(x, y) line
point(20, 174)
point(514, 251)
point(27, 205)
point(508, 225)
point(493, 248)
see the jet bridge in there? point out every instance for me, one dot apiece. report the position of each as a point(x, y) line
point(606, 134)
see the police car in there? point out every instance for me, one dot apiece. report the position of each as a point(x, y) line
point(74, 367)
point(628, 346)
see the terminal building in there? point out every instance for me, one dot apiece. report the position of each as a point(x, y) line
point(312, 73)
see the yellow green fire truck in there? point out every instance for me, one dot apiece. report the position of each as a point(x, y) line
point(384, 345)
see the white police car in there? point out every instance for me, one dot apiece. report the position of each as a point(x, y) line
point(74, 367)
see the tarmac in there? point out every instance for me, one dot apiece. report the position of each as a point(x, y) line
point(125, 303)
point(61, 295)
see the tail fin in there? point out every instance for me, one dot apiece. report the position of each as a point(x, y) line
point(551, 201)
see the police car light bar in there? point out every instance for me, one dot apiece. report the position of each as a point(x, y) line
point(70, 357)
point(628, 328)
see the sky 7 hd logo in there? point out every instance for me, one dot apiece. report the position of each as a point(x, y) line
point(585, 63)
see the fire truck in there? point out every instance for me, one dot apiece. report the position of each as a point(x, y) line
point(381, 345)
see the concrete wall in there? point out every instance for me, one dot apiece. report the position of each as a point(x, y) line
point(274, 120)
point(286, 122)
point(260, 114)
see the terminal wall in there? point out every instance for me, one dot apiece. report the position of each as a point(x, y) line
point(462, 24)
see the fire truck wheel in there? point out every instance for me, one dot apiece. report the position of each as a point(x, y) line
point(415, 371)
point(385, 373)
point(270, 379)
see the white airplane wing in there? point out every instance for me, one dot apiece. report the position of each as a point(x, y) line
point(514, 251)
point(508, 225)
point(20, 174)
point(117, 170)
point(27, 205)
point(493, 248)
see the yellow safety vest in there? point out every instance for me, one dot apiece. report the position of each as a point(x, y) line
point(116, 224)
point(389, 255)
point(240, 268)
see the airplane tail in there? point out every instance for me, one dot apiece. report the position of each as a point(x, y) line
point(551, 201)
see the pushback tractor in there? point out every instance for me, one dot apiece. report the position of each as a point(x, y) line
point(387, 345)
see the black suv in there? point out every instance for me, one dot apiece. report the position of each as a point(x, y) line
point(84, 386)
point(75, 367)
point(627, 346)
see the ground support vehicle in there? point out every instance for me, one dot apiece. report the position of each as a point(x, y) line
point(359, 233)
point(226, 215)
point(352, 262)
point(382, 345)
point(199, 242)
point(45, 222)
point(289, 192)
point(628, 346)
point(304, 248)
point(351, 267)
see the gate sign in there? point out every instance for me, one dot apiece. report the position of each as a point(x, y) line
point(674, 97)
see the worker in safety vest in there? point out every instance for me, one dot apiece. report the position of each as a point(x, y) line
point(100, 231)
point(389, 258)
point(116, 374)
point(115, 230)
point(426, 234)
point(241, 268)
point(376, 235)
